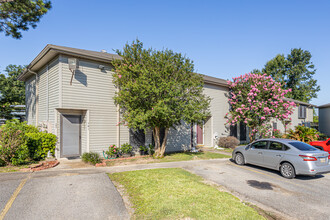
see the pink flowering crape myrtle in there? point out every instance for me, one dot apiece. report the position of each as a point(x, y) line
point(255, 100)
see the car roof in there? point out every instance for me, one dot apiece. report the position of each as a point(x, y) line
point(282, 140)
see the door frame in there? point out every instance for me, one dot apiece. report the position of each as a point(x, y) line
point(61, 134)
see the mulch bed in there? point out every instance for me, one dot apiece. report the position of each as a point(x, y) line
point(103, 164)
point(41, 166)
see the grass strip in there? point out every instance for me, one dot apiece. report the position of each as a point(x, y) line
point(174, 193)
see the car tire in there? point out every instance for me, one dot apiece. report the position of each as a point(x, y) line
point(287, 170)
point(239, 159)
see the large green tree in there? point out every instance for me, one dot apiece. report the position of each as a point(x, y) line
point(158, 90)
point(295, 72)
point(19, 15)
point(12, 91)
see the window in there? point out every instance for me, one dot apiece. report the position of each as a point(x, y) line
point(302, 112)
point(275, 146)
point(274, 125)
point(302, 146)
point(259, 145)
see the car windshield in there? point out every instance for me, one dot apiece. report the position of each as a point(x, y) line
point(302, 146)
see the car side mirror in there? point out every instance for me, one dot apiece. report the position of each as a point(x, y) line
point(248, 147)
point(328, 143)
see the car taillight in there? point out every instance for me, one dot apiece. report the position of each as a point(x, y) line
point(329, 156)
point(308, 158)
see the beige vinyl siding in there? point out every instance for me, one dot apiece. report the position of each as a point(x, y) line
point(30, 100)
point(92, 89)
point(219, 107)
point(53, 92)
point(42, 93)
point(295, 119)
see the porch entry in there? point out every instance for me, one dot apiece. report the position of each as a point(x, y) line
point(70, 135)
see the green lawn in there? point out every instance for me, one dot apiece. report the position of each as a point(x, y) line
point(171, 158)
point(177, 194)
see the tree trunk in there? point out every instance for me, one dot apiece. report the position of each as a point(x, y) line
point(160, 148)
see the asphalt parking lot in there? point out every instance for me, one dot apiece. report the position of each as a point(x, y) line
point(88, 193)
point(81, 194)
point(300, 198)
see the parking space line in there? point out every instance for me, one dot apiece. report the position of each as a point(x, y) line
point(278, 178)
point(13, 197)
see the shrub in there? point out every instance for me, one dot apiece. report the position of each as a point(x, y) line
point(322, 137)
point(151, 149)
point(228, 142)
point(39, 144)
point(304, 134)
point(277, 133)
point(21, 126)
point(91, 157)
point(126, 148)
point(113, 151)
point(143, 149)
point(2, 163)
point(12, 145)
point(20, 143)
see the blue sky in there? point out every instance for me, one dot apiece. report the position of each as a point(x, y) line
point(224, 38)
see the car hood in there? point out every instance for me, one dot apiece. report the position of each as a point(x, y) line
point(240, 148)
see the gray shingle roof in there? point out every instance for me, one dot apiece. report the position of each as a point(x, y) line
point(324, 106)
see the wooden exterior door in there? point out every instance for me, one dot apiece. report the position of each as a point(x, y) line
point(200, 138)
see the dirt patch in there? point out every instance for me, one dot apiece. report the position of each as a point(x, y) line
point(126, 161)
point(212, 150)
point(41, 166)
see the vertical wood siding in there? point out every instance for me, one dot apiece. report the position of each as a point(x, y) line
point(324, 120)
point(179, 139)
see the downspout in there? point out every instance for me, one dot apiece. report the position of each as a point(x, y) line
point(118, 122)
point(37, 95)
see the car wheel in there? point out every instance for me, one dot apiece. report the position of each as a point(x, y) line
point(287, 170)
point(239, 159)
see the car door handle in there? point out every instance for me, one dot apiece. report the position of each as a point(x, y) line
point(259, 152)
point(278, 155)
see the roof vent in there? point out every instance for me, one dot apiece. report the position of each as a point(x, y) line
point(103, 51)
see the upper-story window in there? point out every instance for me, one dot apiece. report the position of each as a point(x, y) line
point(302, 112)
